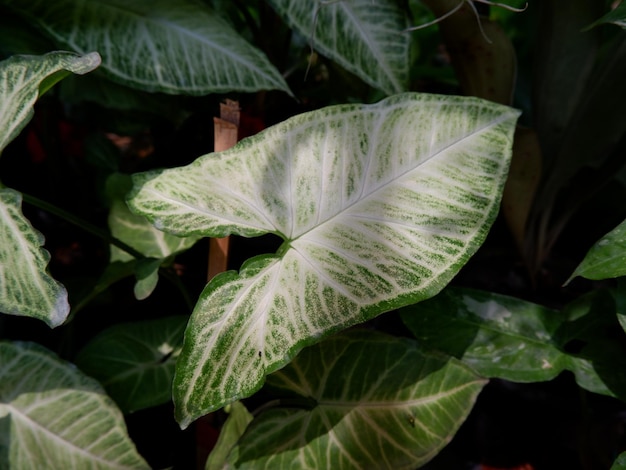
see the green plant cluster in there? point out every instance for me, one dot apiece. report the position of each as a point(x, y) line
point(427, 199)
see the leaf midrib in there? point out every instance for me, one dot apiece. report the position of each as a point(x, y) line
point(371, 44)
point(32, 424)
point(500, 118)
point(422, 401)
point(159, 21)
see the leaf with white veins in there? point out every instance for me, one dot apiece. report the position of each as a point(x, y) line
point(26, 288)
point(20, 81)
point(379, 206)
point(53, 416)
point(172, 46)
point(367, 38)
point(404, 407)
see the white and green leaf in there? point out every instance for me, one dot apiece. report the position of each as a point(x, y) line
point(135, 361)
point(23, 79)
point(135, 231)
point(405, 406)
point(379, 206)
point(139, 234)
point(53, 416)
point(172, 46)
point(26, 287)
point(367, 38)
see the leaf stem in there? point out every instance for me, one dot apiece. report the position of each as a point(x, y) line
point(81, 223)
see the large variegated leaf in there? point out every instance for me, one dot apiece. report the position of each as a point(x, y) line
point(376, 402)
point(135, 361)
point(379, 206)
point(172, 46)
point(20, 81)
point(52, 416)
point(26, 288)
point(365, 37)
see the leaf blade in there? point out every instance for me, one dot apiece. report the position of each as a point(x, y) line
point(27, 289)
point(20, 79)
point(59, 417)
point(606, 258)
point(173, 47)
point(135, 361)
point(368, 38)
point(392, 416)
point(357, 194)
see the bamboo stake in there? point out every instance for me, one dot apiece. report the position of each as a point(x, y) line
point(226, 127)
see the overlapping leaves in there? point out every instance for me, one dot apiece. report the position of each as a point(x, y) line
point(170, 46)
point(53, 416)
point(25, 286)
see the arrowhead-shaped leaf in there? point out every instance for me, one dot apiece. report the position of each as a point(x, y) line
point(172, 46)
point(135, 361)
point(53, 416)
point(379, 206)
point(377, 402)
point(367, 38)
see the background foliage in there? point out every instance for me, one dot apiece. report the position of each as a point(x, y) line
point(521, 358)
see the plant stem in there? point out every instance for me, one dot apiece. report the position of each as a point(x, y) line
point(108, 238)
point(81, 223)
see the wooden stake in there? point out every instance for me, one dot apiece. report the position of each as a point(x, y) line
point(225, 137)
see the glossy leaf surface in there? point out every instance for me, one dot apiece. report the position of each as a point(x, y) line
point(606, 258)
point(367, 38)
point(172, 46)
point(135, 361)
point(378, 402)
point(512, 339)
point(53, 416)
point(379, 206)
